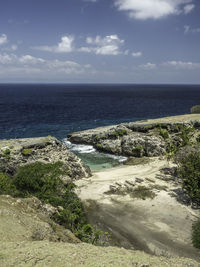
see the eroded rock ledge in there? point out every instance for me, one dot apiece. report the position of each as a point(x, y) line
point(17, 152)
point(143, 138)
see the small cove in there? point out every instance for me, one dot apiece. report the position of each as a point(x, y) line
point(97, 161)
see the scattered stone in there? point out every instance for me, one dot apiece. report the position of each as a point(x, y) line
point(130, 183)
point(139, 180)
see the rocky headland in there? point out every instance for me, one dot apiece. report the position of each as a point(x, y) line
point(18, 152)
point(148, 138)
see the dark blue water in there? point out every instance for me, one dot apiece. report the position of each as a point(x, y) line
point(40, 110)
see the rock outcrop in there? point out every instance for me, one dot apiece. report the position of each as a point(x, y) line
point(17, 152)
point(144, 138)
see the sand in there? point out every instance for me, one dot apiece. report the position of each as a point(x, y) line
point(161, 226)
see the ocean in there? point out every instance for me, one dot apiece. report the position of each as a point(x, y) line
point(32, 110)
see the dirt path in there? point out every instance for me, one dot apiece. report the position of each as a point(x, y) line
point(161, 226)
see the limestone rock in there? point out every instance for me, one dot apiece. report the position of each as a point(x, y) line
point(143, 138)
point(17, 152)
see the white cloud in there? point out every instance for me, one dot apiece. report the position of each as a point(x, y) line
point(188, 8)
point(27, 64)
point(154, 9)
point(65, 46)
point(136, 54)
point(27, 59)
point(14, 47)
point(3, 39)
point(7, 59)
point(109, 45)
point(188, 29)
point(182, 65)
point(148, 66)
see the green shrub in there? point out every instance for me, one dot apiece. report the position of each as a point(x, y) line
point(6, 153)
point(189, 173)
point(118, 133)
point(38, 178)
point(27, 151)
point(164, 133)
point(44, 181)
point(171, 150)
point(142, 192)
point(138, 150)
point(195, 109)
point(6, 186)
point(99, 146)
point(122, 132)
point(196, 234)
point(96, 138)
point(184, 133)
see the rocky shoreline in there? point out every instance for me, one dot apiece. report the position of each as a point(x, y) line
point(18, 152)
point(148, 138)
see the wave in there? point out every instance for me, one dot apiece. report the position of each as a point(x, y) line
point(118, 158)
point(79, 148)
point(86, 149)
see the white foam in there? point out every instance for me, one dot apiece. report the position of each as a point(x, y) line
point(79, 148)
point(118, 158)
point(90, 149)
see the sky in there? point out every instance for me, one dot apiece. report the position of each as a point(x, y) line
point(100, 41)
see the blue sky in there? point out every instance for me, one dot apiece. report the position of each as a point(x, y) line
point(100, 41)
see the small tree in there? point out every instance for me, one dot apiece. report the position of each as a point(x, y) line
point(196, 234)
point(195, 109)
point(189, 172)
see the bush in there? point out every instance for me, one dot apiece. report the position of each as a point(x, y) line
point(44, 182)
point(6, 153)
point(196, 234)
point(38, 179)
point(189, 173)
point(118, 133)
point(99, 146)
point(6, 186)
point(142, 192)
point(195, 109)
point(27, 151)
point(164, 133)
point(138, 150)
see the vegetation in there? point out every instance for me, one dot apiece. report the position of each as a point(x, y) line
point(142, 192)
point(27, 151)
point(6, 186)
point(196, 234)
point(44, 182)
point(99, 146)
point(119, 133)
point(189, 173)
point(138, 150)
point(195, 109)
point(164, 133)
point(148, 127)
point(184, 133)
point(6, 153)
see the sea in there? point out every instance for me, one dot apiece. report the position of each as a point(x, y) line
point(34, 110)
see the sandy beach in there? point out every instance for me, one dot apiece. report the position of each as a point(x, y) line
point(161, 225)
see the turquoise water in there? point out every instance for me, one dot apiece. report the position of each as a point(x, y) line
point(98, 161)
point(95, 160)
